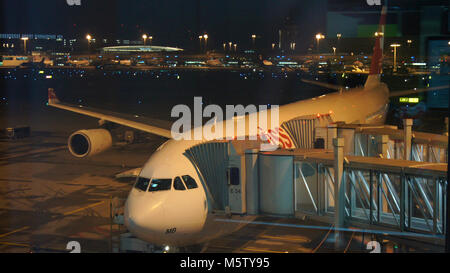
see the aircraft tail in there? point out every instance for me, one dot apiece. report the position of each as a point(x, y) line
point(377, 58)
point(52, 98)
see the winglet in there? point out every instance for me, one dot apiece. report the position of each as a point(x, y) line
point(52, 98)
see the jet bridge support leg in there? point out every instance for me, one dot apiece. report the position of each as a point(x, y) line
point(339, 190)
point(407, 127)
point(383, 145)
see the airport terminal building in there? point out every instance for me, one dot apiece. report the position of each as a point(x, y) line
point(136, 49)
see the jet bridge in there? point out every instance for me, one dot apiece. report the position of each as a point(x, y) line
point(308, 131)
point(221, 168)
point(381, 190)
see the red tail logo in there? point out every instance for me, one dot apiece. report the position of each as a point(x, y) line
point(52, 96)
point(377, 57)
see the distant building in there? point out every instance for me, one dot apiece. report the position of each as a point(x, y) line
point(13, 43)
point(138, 49)
point(419, 26)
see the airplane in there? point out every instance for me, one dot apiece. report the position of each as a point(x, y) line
point(214, 62)
point(169, 203)
point(33, 64)
point(79, 62)
point(267, 63)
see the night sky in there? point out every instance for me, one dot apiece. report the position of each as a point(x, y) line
point(170, 22)
point(174, 22)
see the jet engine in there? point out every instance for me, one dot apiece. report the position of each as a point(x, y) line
point(85, 143)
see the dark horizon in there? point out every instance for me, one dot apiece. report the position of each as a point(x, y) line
point(175, 23)
point(180, 22)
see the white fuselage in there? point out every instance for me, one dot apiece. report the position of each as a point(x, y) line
point(181, 217)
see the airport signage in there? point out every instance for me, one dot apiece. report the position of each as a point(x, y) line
point(374, 2)
point(73, 2)
point(30, 36)
point(409, 100)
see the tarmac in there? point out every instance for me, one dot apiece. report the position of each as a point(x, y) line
point(48, 199)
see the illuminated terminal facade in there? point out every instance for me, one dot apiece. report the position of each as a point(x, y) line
point(139, 49)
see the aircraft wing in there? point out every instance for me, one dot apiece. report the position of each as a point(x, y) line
point(416, 90)
point(153, 126)
point(322, 84)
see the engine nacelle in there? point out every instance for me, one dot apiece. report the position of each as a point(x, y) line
point(84, 143)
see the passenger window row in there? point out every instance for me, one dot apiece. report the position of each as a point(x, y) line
point(156, 184)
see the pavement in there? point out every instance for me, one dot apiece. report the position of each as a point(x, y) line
point(49, 198)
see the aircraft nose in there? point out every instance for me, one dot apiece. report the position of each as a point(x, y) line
point(143, 213)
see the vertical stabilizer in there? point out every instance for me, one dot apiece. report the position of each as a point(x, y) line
point(52, 98)
point(377, 58)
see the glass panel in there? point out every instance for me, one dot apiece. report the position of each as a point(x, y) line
point(306, 187)
point(190, 182)
point(160, 184)
point(234, 176)
point(178, 184)
point(142, 183)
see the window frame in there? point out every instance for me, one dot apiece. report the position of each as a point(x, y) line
point(182, 183)
point(195, 182)
point(137, 181)
point(170, 184)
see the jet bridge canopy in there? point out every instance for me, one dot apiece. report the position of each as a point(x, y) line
point(218, 164)
point(306, 131)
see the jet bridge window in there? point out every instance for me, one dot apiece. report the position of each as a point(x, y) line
point(142, 183)
point(160, 184)
point(190, 182)
point(233, 176)
point(178, 184)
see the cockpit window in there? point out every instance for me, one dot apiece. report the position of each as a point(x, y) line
point(178, 184)
point(190, 182)
point(142, 183)
point(160, 184)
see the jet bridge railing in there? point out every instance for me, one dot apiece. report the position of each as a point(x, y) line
point(401, 198)
point(400, 144)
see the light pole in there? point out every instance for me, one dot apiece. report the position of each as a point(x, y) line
point(395, 56)
point(206, 42)
point(224, 46)
point(200, 41)
point(25, 39)
point(339, 35)
point(230, 44)
point(89, 38)
point(318, 37)
point(235, 47)
point(334, 50)
point(253, 40)
point(144, 37)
